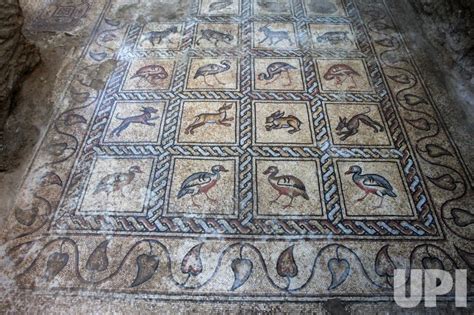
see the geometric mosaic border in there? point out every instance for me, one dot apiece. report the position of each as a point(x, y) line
point(423, 225)
point(46, 229)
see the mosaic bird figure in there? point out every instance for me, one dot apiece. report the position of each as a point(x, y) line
point(275, 70)
point(340, 73)
point(371, 184)
point(117, 181)
point(200, 183)
point(287, 185)
point(212, 69)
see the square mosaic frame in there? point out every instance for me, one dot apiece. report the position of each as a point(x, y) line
point(246, 151)
point(371, 256)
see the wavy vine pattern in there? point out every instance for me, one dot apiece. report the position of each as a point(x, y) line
point(414, 99)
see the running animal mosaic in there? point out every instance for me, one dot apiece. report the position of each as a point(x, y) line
point(242, 153)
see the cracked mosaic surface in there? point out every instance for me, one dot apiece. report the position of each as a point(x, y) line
point(248, 152)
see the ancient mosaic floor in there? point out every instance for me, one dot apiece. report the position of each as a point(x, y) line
point(252, 151)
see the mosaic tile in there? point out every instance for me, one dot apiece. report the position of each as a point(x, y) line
point(251, 151)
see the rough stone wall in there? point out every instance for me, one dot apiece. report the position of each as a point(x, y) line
point(17, 56)
point(450, 24)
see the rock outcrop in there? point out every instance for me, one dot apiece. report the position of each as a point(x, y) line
point(17, 56)
point(449, 24)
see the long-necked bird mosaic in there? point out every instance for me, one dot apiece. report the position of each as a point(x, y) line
point(212, 69)
point(285, 185)
point(117, 181)
point(200, 183)
point(371, 184)
point(275, 70)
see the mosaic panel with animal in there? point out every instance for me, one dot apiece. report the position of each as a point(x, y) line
point(357, 124)
point(282, 123)
point(202, 186)
point(272, 7)
point(324, 7)
point(332, 36)
point(278, 74)
point(209, 122)
point(343, 75)
point(250, 150)
point(219, 7)
point(212, 73)
point(135, 122)
point(117, 185)
point(216, 106)
point(274, 35)
point(160, 35)
point(147, 74)
point(216, 35)
point(288, 188)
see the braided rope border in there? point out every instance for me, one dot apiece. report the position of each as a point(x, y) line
point(246, 224)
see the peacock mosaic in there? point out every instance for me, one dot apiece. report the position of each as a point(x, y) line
point(243, 153)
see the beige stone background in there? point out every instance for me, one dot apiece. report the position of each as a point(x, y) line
point(67, 45)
